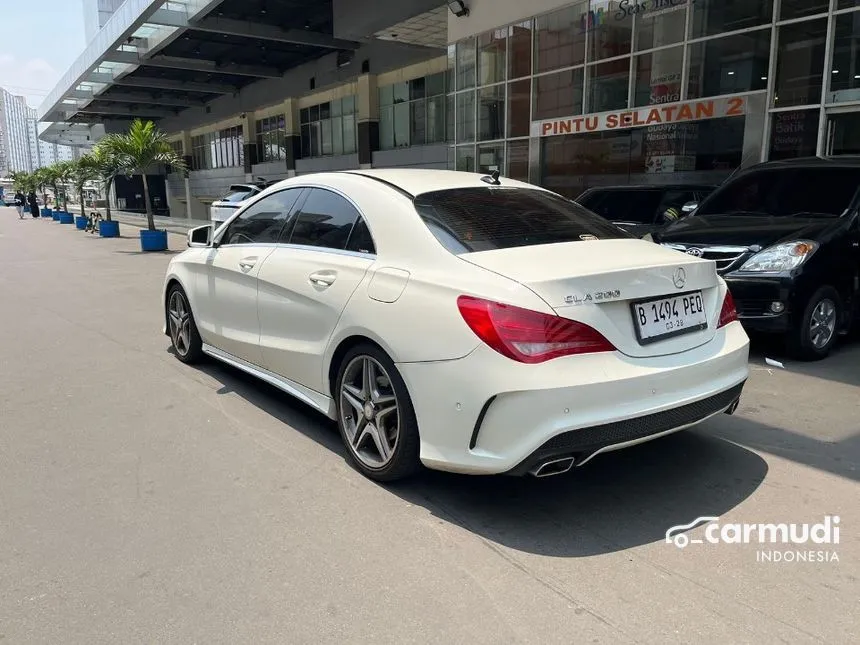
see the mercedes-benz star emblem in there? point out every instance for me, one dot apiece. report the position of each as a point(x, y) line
point(679, 277)
point(695, 252)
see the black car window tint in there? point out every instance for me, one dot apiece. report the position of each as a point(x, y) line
point(467, 220)
point(261, 223)
point(324, 219)
point(360, 239)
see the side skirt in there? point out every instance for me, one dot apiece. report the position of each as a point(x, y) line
point(306, 395)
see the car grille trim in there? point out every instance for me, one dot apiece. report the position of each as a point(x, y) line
point(727, 258)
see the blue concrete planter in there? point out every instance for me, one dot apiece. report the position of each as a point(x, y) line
point(47, 212)
point(153, 240)
point(67, 218)
point(81, 222)
point(56, 215)
point(109, 229)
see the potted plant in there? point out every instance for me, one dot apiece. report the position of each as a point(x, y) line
point(84, 169)
point(43, 180)
point(109, 162)
point(141, 147)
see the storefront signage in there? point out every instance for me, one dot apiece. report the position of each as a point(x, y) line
point(670, 113)
point(626, 9)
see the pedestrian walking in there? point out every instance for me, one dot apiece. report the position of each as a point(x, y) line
point(19, 204)
point(34, 203)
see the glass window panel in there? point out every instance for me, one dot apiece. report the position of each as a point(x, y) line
point(465, 117)
point(518, 160)
point(386, 127)
point(416, 88)
point(560, 38)
point(304, 115)
point(519, 107)
point(491, 113)
point(436, 84)
point(520, 45)
point(847, 4)
point(325, 127)
point(449, 118)
point(608, 85)
point(401, 92)
point(466, 158)
point(282, 122)
point(417, 123)
point(315, 139)
point(337, 107)
point(712, 17)
point(466, 64)
point(794, 134)
point(492, 50)
point(436, 119)
point(315, 113)
point(660, 28)
point(401, 125)
point(846, 134)
point(350, 144)
point(450, 74)
point(306, 140)
point(845, 74)
point(558, 94)
point(800, 63)
point(491, 158)
point(337, 135)
point(610, 33)
point(325, 219)
point(658, 77)
point(728, 65)
point(325, 111)
point(790, 9)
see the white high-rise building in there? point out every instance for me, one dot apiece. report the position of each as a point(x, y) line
point(14, 133)
point(96, 14)
point(33, 139)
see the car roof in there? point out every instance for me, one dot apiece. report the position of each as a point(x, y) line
point(416, 181)
point(652, 187)
point(809, 162)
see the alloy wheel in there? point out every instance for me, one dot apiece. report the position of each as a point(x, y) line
point(369, 411)
point(180, 322)
point(822, 323)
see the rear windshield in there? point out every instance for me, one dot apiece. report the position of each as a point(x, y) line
point(238, 194)
point(466, 220)
point(825, 192)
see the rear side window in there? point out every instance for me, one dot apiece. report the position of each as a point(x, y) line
point(325, 219)
point(360, 240)
point(466, 220)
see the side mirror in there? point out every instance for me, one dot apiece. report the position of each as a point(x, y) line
point(200, 237)
point(689, 207)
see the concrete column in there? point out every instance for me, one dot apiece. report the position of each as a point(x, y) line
point(368, 119)
point(293, 138)
point(249, 143)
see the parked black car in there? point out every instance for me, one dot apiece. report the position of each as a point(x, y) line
point(786, 237)
point(641, 209)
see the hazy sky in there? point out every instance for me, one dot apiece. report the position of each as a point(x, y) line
point(39, 41)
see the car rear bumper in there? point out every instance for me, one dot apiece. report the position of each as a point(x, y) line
point(486, 414)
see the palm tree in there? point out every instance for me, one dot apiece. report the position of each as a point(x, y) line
point(20, 180)
point(83, 169)
point(110, 162)
point(52, 178)
point(64, 170)
point(43, 180)
point(143, 146)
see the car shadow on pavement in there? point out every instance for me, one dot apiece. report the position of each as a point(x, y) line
point(619, 500)
point(842, 366)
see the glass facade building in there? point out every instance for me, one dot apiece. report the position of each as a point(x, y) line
point(655, 91)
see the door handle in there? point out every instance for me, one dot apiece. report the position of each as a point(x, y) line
point(322, 278)
point(247, 263)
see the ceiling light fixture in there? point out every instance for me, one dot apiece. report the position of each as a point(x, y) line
point(458, 8)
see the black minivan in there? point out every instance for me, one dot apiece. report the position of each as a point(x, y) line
point(785, 235)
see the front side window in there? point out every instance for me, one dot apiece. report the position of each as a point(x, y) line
point(325, 219)
point(466, 220)
point(786, 193)
point(261, 223)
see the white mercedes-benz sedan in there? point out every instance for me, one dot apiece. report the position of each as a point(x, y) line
point(469, 323)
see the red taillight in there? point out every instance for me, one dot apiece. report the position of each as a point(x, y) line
point(529, 336)
point(728, 313)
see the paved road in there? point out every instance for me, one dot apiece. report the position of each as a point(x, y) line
point(145, 501)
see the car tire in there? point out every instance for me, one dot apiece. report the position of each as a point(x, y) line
point(185, 339)
point(363, 410)
point(824, 308)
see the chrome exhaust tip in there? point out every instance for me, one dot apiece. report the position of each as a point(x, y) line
point(553, 467)
point(733, 407)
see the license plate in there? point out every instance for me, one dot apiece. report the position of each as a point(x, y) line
point(663, 318)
